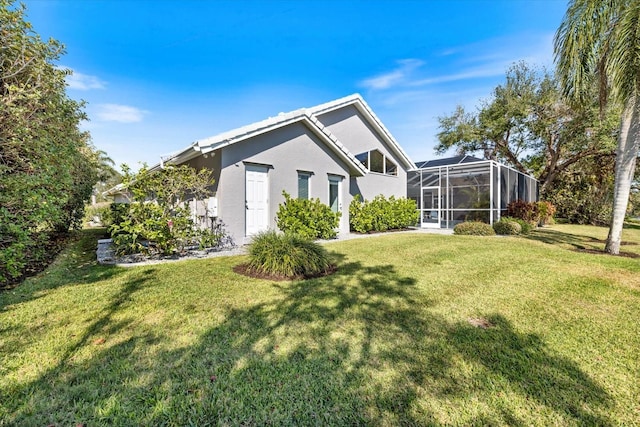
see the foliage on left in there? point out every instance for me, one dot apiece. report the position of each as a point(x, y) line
point(47, 165)
point(159, 218)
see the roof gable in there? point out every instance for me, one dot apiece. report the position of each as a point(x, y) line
point(370, 117)
point(309, 116)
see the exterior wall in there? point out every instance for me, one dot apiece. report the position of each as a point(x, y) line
point(284, 151)
point(213, 162)
point(348, 125)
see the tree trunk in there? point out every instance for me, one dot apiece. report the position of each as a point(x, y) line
point(627, 151)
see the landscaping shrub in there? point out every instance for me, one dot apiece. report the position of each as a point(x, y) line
point(525, 226)
point(381, 214)
point(118, 212)
point(545, 212)
point(527, 211)
point(287, 255)
point(474, 228)
point(156, 221)
point(146, 229)
point(506, 226)
point(308, 219)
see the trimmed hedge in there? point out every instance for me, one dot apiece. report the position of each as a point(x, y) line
point(474, 228)
point(381, 214)
point(507, 227)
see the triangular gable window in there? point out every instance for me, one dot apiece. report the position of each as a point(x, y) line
point(377, 162)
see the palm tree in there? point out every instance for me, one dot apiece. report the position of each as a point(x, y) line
point(598, 42)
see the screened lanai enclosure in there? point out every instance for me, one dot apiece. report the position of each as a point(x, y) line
point(464, 188)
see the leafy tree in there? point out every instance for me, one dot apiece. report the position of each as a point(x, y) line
point(528, 124)
point(597, 43)
point(47, 165)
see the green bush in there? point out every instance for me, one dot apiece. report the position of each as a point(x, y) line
point(507, 227)
point(381, 214)
point(147, 229)
point(287, 255)
point(525, 226)
point(545, 212)
point(474, 228)
point(526, 211)
point(118, 212)
point(47, 163)
point(308, 219)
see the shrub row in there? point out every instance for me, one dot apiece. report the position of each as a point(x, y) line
point(381, 214)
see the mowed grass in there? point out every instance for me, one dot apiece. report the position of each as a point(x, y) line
point(386, 340)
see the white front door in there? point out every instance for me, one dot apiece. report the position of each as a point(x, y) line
point(257, 199)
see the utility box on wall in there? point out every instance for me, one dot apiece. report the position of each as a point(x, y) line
point(212, 207)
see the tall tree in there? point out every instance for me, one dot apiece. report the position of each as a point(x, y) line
point(599, 41)
point(47, 164)
point(528, 124)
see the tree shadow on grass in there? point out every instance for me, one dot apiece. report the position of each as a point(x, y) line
point(562, 239)
point(361, 347)
point(529, 369)
point(577, 242)
point(75, 265)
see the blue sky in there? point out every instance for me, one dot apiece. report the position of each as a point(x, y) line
point(158, 75)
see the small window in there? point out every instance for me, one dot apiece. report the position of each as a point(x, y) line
point(364, 159)
point(376, 160)
point(390, 167)
point(303, 185)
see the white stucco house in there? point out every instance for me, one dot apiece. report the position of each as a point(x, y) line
point(333, 151)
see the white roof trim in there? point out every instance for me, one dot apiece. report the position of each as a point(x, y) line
point(245, 132)
point(309, 117)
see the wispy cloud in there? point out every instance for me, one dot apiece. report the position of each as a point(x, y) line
point(81, 81)
point(119, 113)
point(491, 70)
point(384, 81)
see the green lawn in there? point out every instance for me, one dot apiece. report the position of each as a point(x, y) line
point(384, 341)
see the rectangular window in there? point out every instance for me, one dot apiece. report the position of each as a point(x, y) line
point(390, 167)
point(376, 160)
point(303, 185)
point(334, 193)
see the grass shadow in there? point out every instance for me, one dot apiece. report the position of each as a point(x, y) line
point(528, 368)
point(363, 346)
point(567, 240)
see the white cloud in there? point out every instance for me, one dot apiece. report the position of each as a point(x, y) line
point(492, 70)
point(120, 113)
point(395, 77)
point(81, 81)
